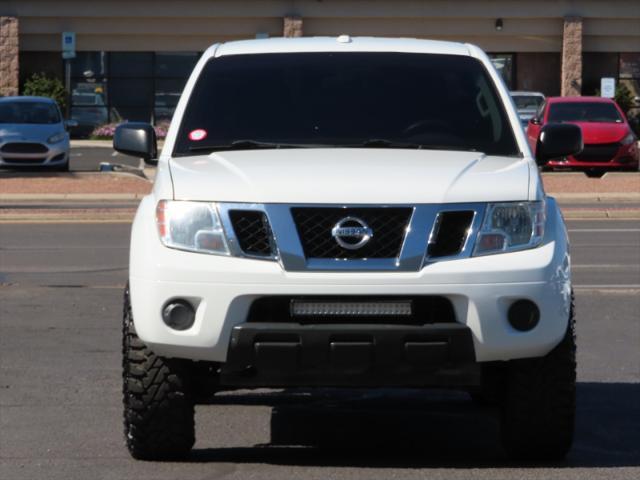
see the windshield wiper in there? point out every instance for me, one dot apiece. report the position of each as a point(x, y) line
point(384, 143)
point(246, 144)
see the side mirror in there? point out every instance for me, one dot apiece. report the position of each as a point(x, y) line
point(70, 124)
point(137, 139)
point(558, 140)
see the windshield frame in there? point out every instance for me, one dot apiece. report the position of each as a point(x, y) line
point(507, 141)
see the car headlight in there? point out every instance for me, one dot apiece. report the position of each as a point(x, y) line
point(58, 137)
point(511, 226)
point(191, 226)
point(629, 139)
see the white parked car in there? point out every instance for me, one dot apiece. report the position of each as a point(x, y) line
point(33, 133)
point(324, 215)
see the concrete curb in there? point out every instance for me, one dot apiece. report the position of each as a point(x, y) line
point(91, 143)
point(596, 197)
point(601, 214)
point(80, 143)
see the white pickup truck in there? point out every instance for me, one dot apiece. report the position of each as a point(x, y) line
point(348, 212)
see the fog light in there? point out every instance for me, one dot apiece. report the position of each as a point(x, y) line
point(178, 314)
point(523, 315)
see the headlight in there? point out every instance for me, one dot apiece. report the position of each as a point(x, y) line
point(191, 226)
point(511, 226)
point(629, 139)
point(58, 137)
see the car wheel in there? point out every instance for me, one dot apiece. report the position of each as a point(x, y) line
point(158, 404)
point(538, 410)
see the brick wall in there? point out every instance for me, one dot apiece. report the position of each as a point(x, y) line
point(8, 56)
point(572, 57)
point(292, 26)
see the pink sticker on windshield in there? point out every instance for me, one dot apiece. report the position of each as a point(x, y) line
point(197, 135)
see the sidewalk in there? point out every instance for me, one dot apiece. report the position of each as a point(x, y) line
point(572, 186)
point(72, 186)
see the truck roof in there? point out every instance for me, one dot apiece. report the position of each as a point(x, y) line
point(342, 43)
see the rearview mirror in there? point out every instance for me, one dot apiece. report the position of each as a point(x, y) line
point(137, 139)
point(558, 140)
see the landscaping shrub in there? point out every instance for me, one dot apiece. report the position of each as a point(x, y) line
point(40, 85)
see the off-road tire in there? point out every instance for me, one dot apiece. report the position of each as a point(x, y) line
point(538, 411)
point(158, 403)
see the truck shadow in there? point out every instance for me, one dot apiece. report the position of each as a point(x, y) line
point(413, 428)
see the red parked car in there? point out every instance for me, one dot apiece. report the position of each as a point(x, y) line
point(609, 141)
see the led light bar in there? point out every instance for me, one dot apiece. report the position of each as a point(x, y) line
point(303, 308)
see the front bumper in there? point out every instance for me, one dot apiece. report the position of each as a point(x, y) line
point(56, 154)
point(626, 158)
point(284, 354)
point(222, 289)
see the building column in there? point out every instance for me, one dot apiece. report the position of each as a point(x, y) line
point(8, 56)
point(292, 26)
point(571, 83)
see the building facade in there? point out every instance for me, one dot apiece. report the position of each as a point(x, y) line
point(133, 56)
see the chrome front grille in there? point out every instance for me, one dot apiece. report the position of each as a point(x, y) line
point(314, 226)
point(450, 233)
point(303, 237)
point(252, 230)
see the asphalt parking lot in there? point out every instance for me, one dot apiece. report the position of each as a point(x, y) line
point(88, 159)
point(60, 405)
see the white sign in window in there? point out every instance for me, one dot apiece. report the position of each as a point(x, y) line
point(607, 87)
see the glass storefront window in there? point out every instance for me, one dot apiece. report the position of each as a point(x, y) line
point(503, 63)
point(111, 87)
point(175, 65)
point(88, 93)
point(89, 65)
point(630, 65)
point(167, 94)
point(131, 64)
point(130, 114)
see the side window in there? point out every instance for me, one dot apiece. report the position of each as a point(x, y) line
point(540, 112)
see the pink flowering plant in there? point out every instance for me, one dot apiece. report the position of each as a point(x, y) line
point(106, 132)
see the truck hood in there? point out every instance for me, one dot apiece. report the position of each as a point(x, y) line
point(349, 176)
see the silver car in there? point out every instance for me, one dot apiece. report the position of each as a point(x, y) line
point(33, 133)
point(527, 104)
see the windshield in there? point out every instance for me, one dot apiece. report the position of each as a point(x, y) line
point(584, 112)
point(527, 102)
point(396, 100)
point(29, 112)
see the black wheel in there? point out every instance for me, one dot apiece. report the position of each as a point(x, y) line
point(491, 391)
point(158, 403)
point(538, 410)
